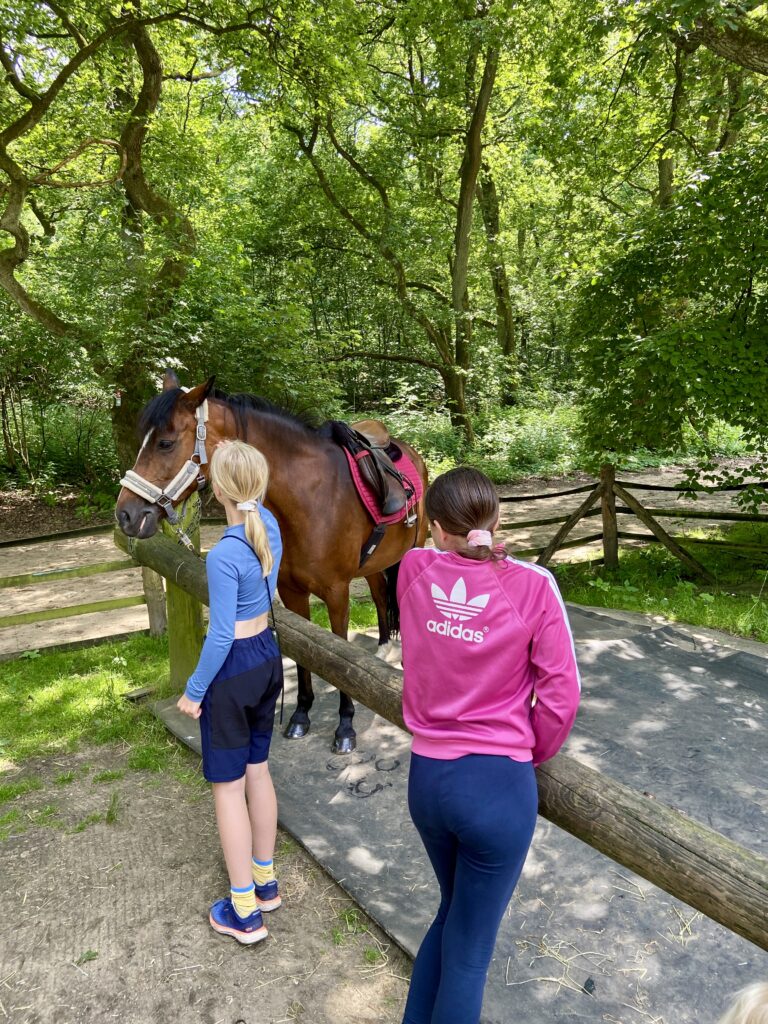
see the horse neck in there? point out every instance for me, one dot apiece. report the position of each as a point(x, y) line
point(282, 442)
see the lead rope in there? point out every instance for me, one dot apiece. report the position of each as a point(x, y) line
point(277, 641)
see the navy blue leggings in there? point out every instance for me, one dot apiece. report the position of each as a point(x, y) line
point(476, 816)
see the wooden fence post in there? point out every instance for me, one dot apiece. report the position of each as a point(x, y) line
point(610, 530)
point(155, 595)
point(185, 613)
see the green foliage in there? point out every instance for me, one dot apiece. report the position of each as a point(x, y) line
point(673, 328)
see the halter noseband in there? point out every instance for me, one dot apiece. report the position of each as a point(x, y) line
point(190, 471)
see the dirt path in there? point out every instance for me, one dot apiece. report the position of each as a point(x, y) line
point(108, 921)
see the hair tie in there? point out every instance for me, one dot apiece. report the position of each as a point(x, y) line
point(479, 538)
point(248, 506)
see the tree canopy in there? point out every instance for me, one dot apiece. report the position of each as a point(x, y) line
point(328, 203)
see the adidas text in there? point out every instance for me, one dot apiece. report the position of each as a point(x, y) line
point(472, 636)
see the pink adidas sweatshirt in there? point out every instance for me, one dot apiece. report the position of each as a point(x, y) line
point(488, 658)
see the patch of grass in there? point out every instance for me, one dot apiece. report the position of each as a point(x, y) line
point(373, 956)
point(10, 822)
point(653, 581)
point(13, 790)
point(86, 957)
point(113, 810)
point(61, 700)
point(362, 614)
point(64, 779)
point(108, 776)
point(84, 823)
point(351, 921)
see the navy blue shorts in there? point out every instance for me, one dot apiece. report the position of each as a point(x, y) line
point(238, 709)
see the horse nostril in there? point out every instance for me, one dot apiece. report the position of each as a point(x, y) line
point(123, 517)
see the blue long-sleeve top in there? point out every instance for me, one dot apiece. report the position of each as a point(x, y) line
point(237, 590)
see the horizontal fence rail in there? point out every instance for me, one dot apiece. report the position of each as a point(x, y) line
point(685, 858)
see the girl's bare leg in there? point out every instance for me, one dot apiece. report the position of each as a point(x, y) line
point(262, 808)
point(234, 830)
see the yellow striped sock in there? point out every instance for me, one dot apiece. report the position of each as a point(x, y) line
point(244, 901)
point(263, 871)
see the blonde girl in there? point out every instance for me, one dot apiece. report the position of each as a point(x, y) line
point(234, 689)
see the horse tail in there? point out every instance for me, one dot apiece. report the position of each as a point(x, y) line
point(393, 608)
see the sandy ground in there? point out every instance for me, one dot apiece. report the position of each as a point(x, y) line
point(108, 922)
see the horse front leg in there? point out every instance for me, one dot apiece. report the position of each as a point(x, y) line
point(337, 602)
point(298, 725)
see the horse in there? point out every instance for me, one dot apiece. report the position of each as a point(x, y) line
point(323, 522)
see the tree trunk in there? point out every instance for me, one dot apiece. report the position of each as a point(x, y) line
point(454, 383)
point(505, 317)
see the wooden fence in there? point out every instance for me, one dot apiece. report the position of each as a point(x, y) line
point(690, 861)
point(606, 491)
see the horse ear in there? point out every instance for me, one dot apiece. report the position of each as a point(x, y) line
point(170, 380)
point(196, 396)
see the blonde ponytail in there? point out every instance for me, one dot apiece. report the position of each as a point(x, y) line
point(256, 535)
point(240, 471)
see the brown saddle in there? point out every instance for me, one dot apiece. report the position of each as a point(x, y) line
point(368, 441)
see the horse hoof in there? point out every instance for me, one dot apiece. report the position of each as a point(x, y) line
point(344, 744)
point(296, 730)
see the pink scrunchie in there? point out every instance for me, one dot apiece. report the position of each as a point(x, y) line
point(479, 539)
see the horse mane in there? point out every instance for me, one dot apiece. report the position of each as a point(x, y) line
point(158, 412)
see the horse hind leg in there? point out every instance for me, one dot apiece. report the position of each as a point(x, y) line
point(298, 725)
point(345, 737)
point(383, 591)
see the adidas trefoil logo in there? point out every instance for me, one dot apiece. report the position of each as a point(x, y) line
point(456, 608)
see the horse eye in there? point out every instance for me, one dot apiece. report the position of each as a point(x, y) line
point(165, 446)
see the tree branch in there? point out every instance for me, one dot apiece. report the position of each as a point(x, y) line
point(741, 45)
point(11, 76)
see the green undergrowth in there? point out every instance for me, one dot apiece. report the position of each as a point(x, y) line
point(57, 703)
point(653, 581)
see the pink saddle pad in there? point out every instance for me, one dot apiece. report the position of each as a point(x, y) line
point(407, 470)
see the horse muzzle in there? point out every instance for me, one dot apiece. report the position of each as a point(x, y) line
point(137, 518)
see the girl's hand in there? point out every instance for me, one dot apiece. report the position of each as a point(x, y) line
point(188, 707)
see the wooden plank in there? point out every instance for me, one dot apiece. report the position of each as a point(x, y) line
point(47, 575)
point(690, 861)
point(549, 494)
point(568, 525)
point(85, 531)
point(735, 546)
point(576, 543)
point(637, 485)
point(25, 618)
point(608, 509)
point(681, 513)
point(647, 520)
point(515, 525)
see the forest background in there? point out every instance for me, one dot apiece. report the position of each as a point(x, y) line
point(531, 236)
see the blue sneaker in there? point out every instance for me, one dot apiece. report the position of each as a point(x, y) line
point(267, 896)
point(223, 919)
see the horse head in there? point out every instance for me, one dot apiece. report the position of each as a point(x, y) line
point(173, 460)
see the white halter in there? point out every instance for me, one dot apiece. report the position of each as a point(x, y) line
point(190, 471)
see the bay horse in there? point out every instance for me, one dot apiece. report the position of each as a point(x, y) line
point(311, 493)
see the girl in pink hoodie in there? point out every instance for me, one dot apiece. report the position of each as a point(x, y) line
point(490, 690)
